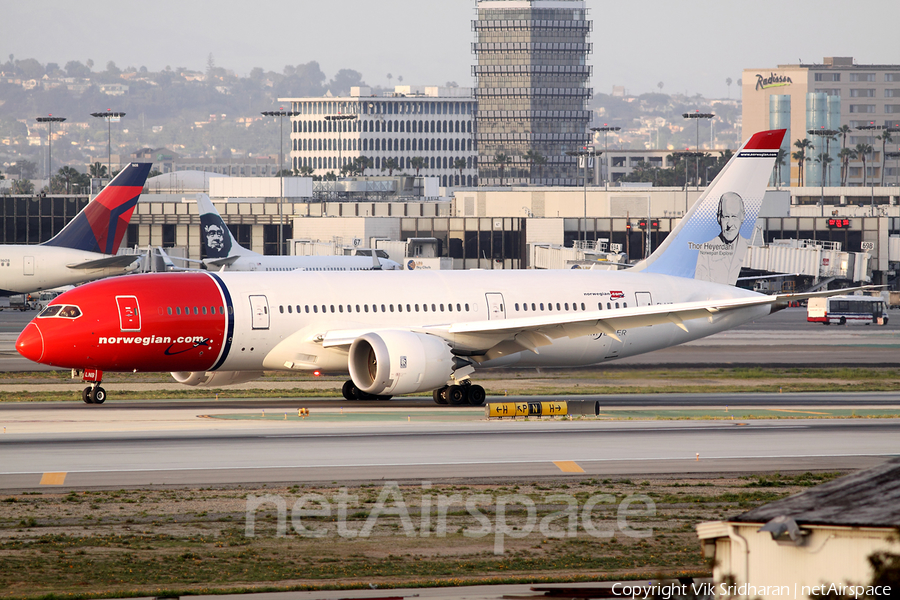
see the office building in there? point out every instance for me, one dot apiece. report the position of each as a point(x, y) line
point(532, 89)
point(434, 124)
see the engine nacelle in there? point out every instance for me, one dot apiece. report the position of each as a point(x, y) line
point(399, 362)
point(215, 378)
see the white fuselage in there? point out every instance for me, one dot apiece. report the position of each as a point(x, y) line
point(31, 268)
point(308, 263)
point(268, 334)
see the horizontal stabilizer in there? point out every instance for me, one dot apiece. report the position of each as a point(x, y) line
point(108, 262)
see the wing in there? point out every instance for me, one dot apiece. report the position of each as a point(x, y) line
point(221, 262)
point(493, 339)
point(109, 262)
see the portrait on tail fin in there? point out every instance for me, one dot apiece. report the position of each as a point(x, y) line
point(216, 237)
point(721, 258)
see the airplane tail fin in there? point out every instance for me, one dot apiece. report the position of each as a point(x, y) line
point(101, 226)
point(216, 241)
point(711, 240)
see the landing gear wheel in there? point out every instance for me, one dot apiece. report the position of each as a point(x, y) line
point(476, 395)
point(86, 395)
point(350, 391)
point(457, 395)
point(382, 398)
point(843, 320)
point(98, 395)
point(439, 395)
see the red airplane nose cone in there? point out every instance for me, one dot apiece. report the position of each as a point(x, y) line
point(30, 343)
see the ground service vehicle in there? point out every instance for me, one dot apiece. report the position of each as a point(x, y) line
point(842, 310)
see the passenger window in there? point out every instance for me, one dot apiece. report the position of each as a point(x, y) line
point(617, 305)
point(332, 308)
point(582, 306)
point(366, 306)
point(542, 306)
point(382, 308)
point(196, 311)
point(557, 306)
point(341, 307)
point(177, 310)
point(467, 307)
point(407, 308)
point(458, 308)
point(567, 306)
point(298, 309)
point(305, 308)
point(374, 308)
point(315, 308)
point(549, 306)
point(424, 308)
point(392, 307)
point(417, 308)
point(624, 305)
point(525, 307)
point(281, 309)
point(599, 306)
point(357, 308)
point(169, 309)
point(432, 308)
point(290, 309)
point(608, 305)
point(533, 306)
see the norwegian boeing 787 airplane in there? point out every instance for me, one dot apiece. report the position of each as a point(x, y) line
point(413, 332)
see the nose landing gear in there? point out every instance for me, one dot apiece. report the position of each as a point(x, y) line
point(93, 394)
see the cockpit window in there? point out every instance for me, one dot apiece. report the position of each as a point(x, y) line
point(64, 311)
point(50, 311)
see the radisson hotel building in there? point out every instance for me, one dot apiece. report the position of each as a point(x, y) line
point(836, 92)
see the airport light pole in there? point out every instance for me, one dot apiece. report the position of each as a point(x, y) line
point(697, 115)
point(585, 154)
point(281, 114)
point(606, 129)
point(339, 119)
point(828, 134)
point(50, 120)
point(686, 155)
point(109, 115)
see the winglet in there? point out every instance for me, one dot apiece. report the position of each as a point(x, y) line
point(101, 226)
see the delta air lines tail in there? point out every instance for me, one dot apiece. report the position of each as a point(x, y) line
point(85, 249)
point(711, 241)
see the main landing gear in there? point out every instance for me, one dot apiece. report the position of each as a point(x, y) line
point(93, 394)
point(464, 393)
point(351, 392)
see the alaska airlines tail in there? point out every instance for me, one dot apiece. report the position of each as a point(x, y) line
point(101, 226)
point(216, 241)
point(711, 240)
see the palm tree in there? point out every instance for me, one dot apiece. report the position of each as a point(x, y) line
point(533, 157)
point(361, 163)
point(844, 130)
point(501, 160)
point(305, 171)
point(861, 151)
point(459, 164)
point(885, 137)
point(98, 170)
point(846, 155)
point(389, 164)
point(417, 162)
point(824, 159)
point(801, 158)
point(779, 162)
point(68, 176)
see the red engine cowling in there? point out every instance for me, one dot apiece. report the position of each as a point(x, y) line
point(388, 363)
point(215, 378)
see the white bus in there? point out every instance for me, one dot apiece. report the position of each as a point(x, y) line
point(846, 309)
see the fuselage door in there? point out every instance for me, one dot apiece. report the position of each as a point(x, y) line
point(28, 265)
point(496, 309)
point(643, 299)
point(259, 307)
point(129, 313)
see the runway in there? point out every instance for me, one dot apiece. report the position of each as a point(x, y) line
point(127, 448)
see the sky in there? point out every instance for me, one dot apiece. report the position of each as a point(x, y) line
point(691, 46)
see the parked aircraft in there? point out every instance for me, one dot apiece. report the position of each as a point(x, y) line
point(85, 248)
point(224, 253)
point(419, 331)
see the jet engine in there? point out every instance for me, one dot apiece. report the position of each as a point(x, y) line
point(215, 378)
point(395, 362)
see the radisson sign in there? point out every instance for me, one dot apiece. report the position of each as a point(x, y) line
point(772, 80)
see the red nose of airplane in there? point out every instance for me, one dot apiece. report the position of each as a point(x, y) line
point(30, 343)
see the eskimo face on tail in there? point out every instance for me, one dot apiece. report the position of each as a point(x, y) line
point(216, 238)
point(711, 241)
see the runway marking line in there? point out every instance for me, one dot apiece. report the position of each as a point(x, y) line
point(53, 479)
point(805, 412)
point(568, 466)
